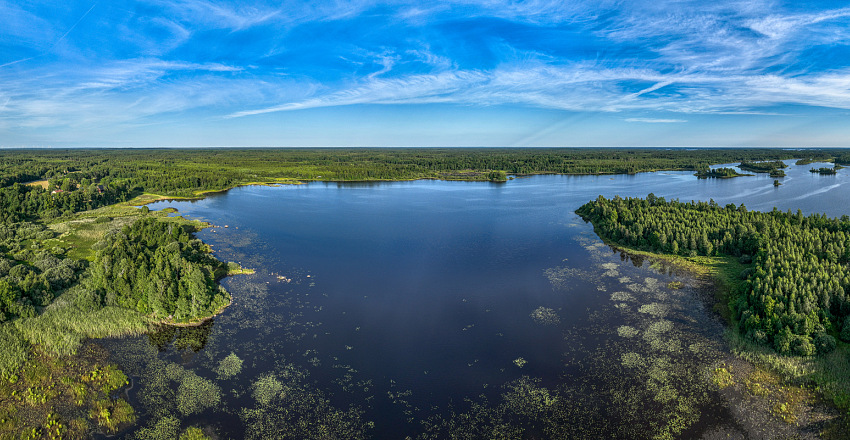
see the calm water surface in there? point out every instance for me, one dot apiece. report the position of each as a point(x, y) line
point(403, 299)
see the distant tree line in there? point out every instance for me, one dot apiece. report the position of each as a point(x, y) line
point(795, 295)
point(183, 172)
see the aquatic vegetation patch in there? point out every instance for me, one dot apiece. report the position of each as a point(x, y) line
point(722, 377)
point(166, 428)
point(632, 360)
point(655, 309)
point(195, 394)
point(564, 278)
point(622, 296)
point(545, 316)
point(520, 362)
point(229, 366)
point(627, 331)
point(69, 397)
point(266, 389)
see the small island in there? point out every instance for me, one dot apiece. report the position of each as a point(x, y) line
point(824, 171)
point(762, 167)
point(719, 173)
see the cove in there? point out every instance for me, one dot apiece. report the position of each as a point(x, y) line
point(419, 309)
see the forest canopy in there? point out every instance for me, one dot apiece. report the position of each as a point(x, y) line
point(159, 270)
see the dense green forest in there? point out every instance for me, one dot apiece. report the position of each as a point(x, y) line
point(157, 269)
point(795, 294)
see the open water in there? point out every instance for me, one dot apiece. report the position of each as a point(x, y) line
point(419, 309)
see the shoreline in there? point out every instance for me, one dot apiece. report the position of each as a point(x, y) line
point(794, 386)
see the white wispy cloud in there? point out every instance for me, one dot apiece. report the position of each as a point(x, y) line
point(739, 57)
point(655, 120)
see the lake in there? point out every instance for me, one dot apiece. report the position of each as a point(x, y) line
point(427, 309)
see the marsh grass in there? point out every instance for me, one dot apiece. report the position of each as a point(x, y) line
point(63, 327)
point(14, 351)
point(66, 397)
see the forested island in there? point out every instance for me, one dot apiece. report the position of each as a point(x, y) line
point(719, 173)
point(82, 257)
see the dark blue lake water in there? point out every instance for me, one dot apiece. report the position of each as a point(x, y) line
point(403, 299)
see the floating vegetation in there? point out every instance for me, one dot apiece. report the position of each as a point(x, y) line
point(266, 389)
point(632, 360)
point(627, 331)
point(655, 309)
point(166, 428)
point(722, 377)
point(635, 287)
point(622, 296)
point(520, 362)
point(611, 270)
point(195, 394)
point(545, 316)
point(564, 278)
point(229, 366)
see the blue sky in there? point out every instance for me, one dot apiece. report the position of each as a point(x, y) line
point(449, 73)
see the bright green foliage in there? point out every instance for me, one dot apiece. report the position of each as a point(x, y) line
point(158, 269)
point(24, 202)
point(795, 293)
point(497, 176)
